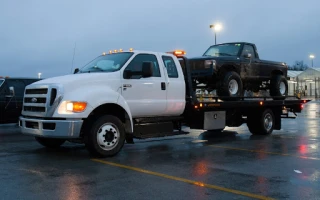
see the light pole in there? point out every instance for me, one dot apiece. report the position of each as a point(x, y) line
point(39, 75)
point(312, 57)
point(215, 27)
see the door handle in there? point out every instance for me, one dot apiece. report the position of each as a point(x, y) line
point(163, 86)
point(127, 85)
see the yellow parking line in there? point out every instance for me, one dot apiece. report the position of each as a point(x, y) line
point(266, 152)
point(255, 196)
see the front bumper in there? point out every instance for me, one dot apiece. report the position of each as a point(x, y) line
point(51, 128)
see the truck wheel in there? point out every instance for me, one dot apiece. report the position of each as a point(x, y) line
point(279, 87)
point(106, 136)
point(50, 142)
point(261, 123)
point(230, 85)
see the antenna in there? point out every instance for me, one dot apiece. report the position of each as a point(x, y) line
point(74, 51)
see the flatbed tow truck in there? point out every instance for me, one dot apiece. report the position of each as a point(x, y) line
point(105, 106)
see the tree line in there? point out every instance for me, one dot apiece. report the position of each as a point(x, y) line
point(298, 66)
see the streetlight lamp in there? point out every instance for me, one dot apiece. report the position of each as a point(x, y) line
point(215, 27)
point(312, 57)
point(39, 75)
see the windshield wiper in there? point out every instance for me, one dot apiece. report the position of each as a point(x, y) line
point(95, 68)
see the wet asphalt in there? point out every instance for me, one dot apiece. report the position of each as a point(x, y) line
point(228, 165)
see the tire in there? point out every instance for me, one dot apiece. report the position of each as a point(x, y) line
point(230, 85)
point(50, 142)
point(261, 123)
point(105, 137)
point(278, 87)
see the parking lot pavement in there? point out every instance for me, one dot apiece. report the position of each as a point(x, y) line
point(228, 165)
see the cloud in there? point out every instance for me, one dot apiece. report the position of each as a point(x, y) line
point(40, 35)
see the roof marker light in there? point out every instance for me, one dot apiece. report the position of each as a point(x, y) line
point(178, 52)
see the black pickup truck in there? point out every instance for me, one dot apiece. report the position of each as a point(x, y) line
point(11, 98)
point(232, 68)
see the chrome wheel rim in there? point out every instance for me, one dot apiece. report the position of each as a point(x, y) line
point(233, 87)
point(282, 88)
point(108, 136)
point(268, 122)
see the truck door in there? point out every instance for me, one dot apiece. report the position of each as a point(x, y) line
point(146, 97)
point(250, 66)
point(175, 87)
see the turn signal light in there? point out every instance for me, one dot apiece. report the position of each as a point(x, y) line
point(261, 103)
point(76, 106)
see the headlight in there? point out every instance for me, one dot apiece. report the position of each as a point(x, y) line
point(69, 107)
point(76, 106)
point(209, 64)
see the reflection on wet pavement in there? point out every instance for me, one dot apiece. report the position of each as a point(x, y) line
point(233, 159)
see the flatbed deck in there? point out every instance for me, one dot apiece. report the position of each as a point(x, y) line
point(207, 102)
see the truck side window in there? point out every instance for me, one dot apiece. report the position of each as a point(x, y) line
point(136, 65)
point(248, 49)
point(171, 66)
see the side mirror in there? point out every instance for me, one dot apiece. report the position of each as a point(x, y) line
point(76, 70)
point(147, 69)
point(127, 74)
point(12, 93)
point(247, 55)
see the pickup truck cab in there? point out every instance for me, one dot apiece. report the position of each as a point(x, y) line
point(124, 95)
point(232, 68)
point(11, 96)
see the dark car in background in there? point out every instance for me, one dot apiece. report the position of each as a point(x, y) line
point(11, 97)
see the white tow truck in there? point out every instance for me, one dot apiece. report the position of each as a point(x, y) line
point(122, 95)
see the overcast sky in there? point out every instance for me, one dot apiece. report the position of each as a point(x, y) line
point(39, 36)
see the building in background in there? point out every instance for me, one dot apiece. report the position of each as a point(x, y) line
point(292, 81)
point(305, 82)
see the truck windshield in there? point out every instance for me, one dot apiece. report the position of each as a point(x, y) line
point(223, 50)
point(1, 81)
point(107, 63)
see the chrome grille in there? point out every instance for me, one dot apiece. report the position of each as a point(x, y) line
point(37, 91)
point(39, 100)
